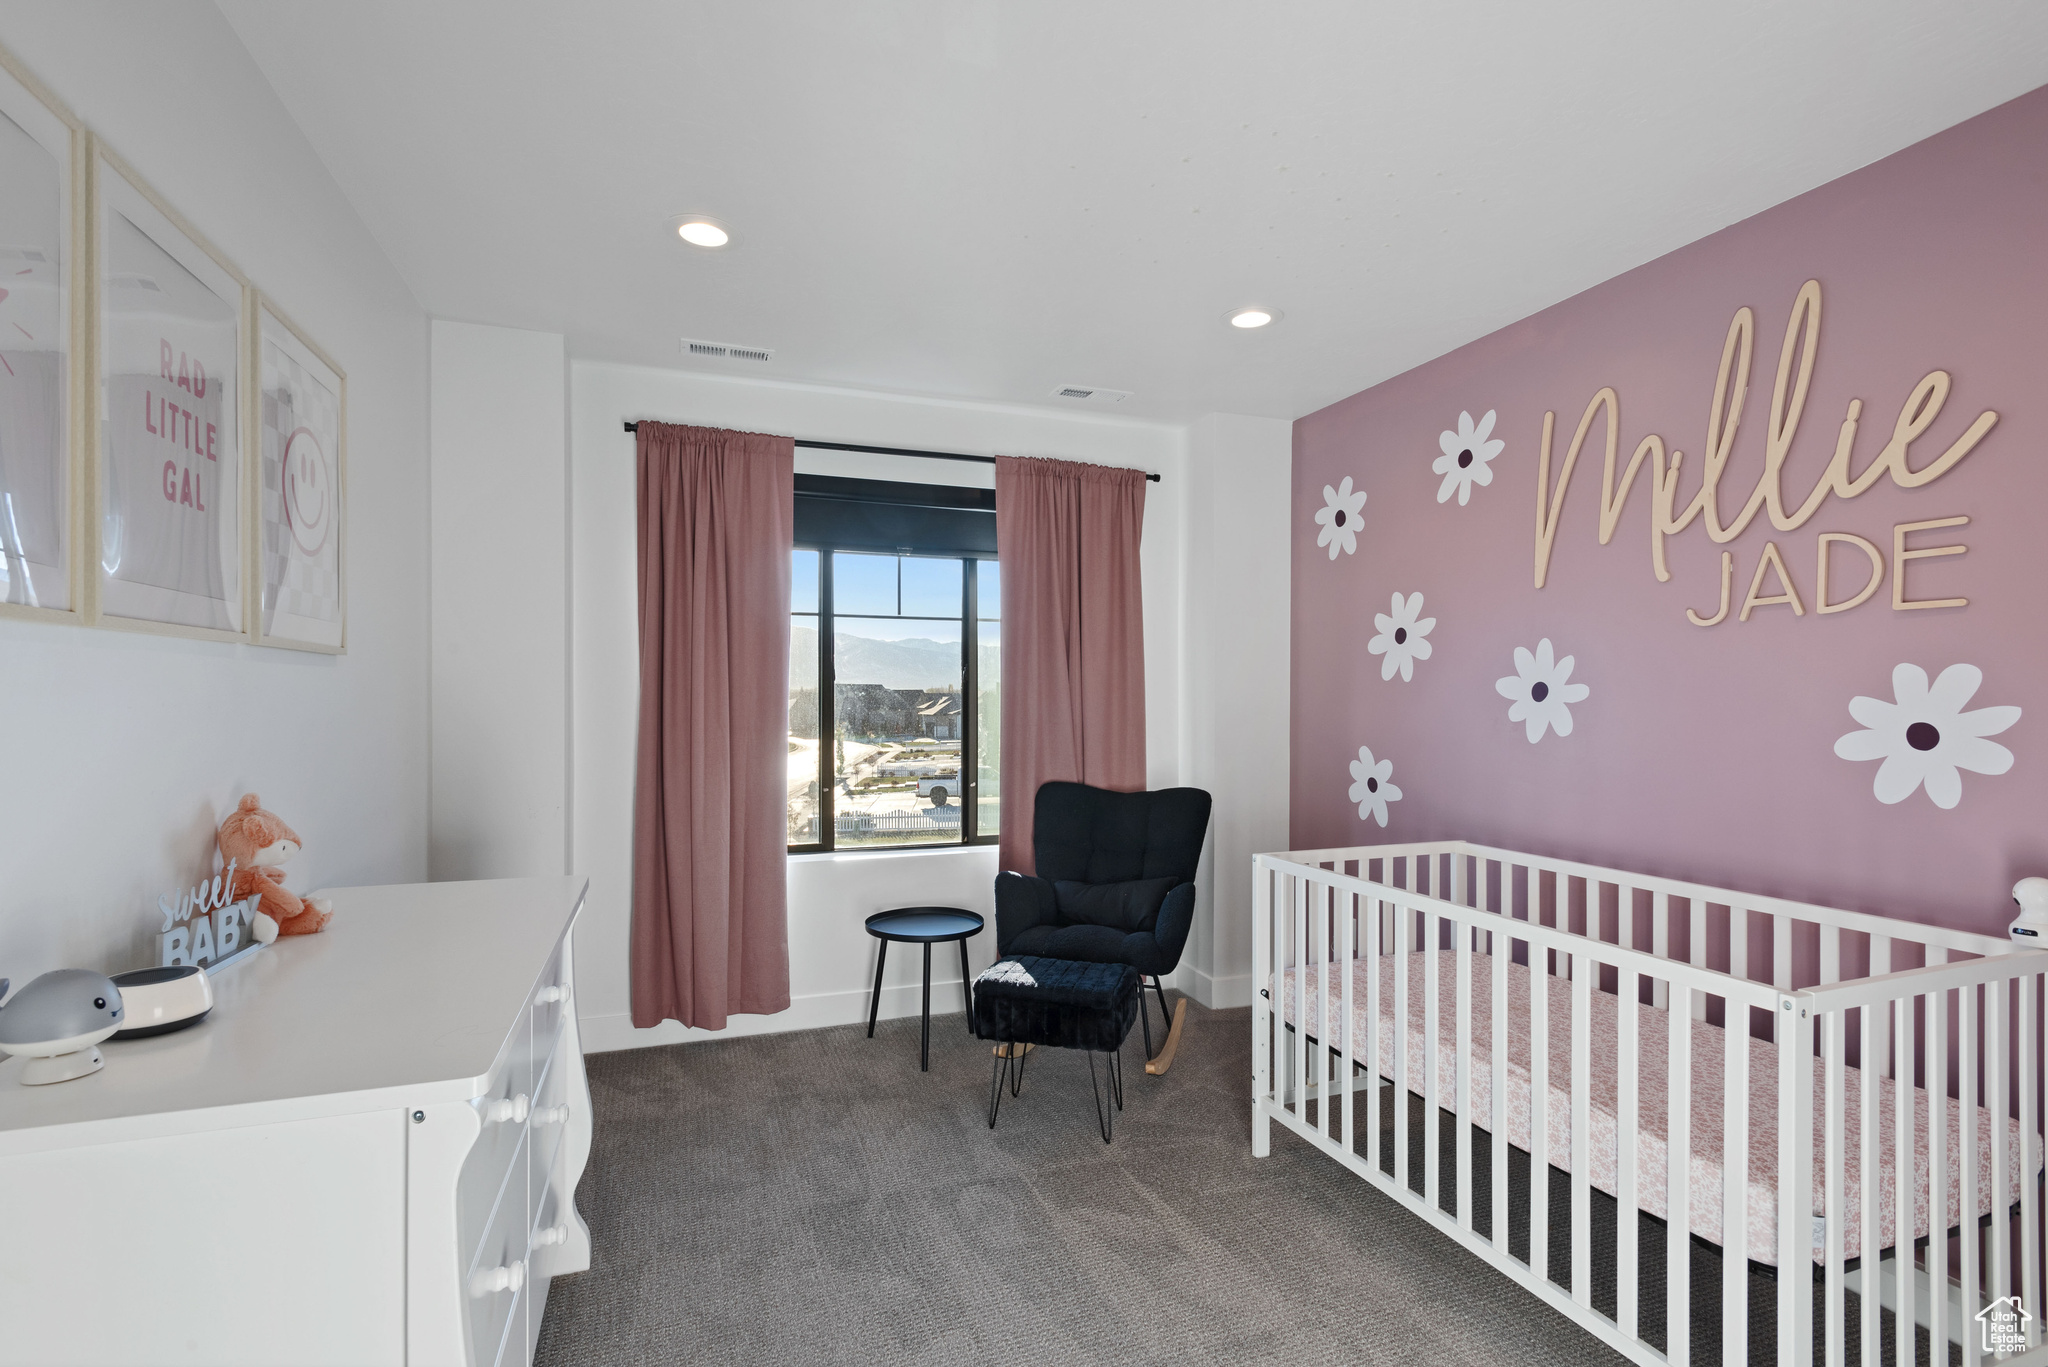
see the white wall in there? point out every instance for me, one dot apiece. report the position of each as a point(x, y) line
point(1236, 695)
point(831, 956)
point(500, 603)
point(122, 752)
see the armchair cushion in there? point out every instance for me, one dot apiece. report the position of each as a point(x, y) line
point(1127, 907)
point(1090, 945)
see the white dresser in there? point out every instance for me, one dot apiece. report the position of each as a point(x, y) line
point(367, 1154)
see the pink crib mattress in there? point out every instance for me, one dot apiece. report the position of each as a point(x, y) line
point(1709, 1044)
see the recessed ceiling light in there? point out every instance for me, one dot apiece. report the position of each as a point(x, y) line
point(700, 231)
point(1251, 318)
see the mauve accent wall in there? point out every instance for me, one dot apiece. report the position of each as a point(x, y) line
point(1708, 753)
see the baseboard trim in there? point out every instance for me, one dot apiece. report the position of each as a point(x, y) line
point(603, 1034)
point(1219, 993)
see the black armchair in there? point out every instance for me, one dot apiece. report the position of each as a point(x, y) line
point(1115, 882)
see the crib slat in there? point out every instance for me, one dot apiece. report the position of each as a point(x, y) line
point(1870, 1078)
point(1781, 953)
point(1938, 1158)
point(1319, 950)
point(1998, 1100)
point(1585, 973)
point(1735, 1180)
point(1678, 1184)
point(1264, 983)
point(1660, 945)
point(1503, 950)
point(1348, 956)
point(1461, 1099)
point(1432, 1090)
point(1404, 921)
point(2030, 1156)
point(1880, 964)
point(1738, 955)
point(1795, 1172)
point(1830, 954)
point(1376, 1040)
point(1539, 1112)
point(1967, 1021)
point(1833, 1061)
point(1905, 1177)
point(1627, 1080)
point(1696, 953)
point(1298, 964)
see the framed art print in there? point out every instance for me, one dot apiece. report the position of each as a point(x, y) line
point(41, 272)
point(301, 489)
point(171, 348)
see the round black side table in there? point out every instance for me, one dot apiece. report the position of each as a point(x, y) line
point(925, 926)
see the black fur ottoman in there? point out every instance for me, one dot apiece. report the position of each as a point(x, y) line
point(1061, 1003)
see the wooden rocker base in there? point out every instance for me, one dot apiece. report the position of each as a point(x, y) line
point(1157, 1065)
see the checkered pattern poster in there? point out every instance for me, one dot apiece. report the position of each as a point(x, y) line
point(299, 501)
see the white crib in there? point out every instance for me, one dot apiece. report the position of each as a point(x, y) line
point(1869, 1038)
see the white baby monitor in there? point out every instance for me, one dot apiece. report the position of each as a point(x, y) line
point(2030, 927)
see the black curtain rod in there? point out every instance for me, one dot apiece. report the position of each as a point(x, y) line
point(891, 451)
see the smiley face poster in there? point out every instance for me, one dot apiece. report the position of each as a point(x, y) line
point(299, 500)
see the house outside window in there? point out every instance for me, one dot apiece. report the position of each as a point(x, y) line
point(895, 673)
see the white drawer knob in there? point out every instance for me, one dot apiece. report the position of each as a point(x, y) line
point(553, 1234)
point(490, 1281)
point(501, 1110)
point(548, 995)
point(551, 1115)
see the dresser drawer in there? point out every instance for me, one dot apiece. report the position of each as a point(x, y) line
point(503, 1112)
point(495, 1283)
point(550, 1121)
point(551, 1004)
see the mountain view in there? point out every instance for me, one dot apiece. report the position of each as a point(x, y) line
point(912, 663)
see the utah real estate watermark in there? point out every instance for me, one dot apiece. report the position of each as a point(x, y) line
point(2005, 1326)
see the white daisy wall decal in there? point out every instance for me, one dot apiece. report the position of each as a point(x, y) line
point(1540, 688)
point(1339, 518)
point(1466, 457)
point(1402, 639)
point(1370, 788)
point(1925, 737)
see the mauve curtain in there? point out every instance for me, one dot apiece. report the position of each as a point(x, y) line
point(710, 935)
point(1073, 634)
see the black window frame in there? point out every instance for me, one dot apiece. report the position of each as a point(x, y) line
point(828, 701)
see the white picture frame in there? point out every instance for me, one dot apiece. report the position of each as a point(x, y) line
point(169, 472)
point(43, 288)
point(299, 508)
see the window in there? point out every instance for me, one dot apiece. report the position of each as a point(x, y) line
point(894, 674)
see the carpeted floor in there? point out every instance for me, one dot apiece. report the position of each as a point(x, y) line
point(813, 1198)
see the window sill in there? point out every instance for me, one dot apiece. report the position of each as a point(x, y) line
point(927, 851)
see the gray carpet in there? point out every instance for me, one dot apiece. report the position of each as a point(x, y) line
point(814, 1198)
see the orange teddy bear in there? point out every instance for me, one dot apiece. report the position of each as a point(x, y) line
point(259, 844)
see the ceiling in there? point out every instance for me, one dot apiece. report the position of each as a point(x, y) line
point(984, 201)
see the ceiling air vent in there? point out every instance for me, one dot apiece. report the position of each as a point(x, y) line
point(727, 351)
point(1090, 393)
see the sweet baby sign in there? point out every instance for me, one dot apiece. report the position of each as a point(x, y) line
point(200, 924)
